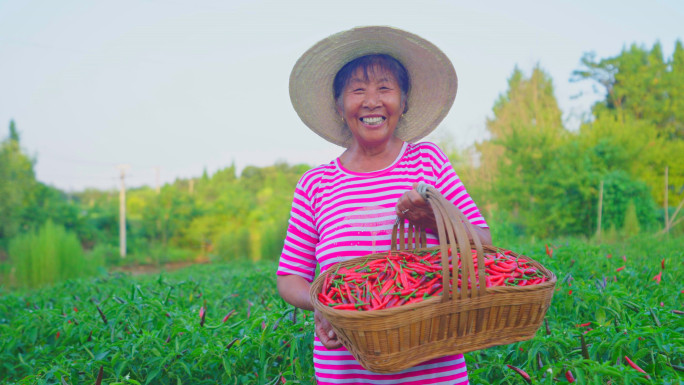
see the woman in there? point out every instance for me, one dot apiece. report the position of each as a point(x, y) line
point(374, 91)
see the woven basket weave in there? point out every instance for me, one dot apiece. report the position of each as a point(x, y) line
point(459, 321)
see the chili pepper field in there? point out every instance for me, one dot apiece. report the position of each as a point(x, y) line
point(617, 310)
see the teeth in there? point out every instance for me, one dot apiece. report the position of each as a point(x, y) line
point(373, 120)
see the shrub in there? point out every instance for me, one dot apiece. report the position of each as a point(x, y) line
point(232, 244)
point(630, 226)
point(49, 255)
point(106, 253)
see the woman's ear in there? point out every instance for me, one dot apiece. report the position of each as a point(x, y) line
point(340, 111)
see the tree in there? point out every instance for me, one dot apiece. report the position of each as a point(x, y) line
point(640, 84)
point(14, 134)
point(17, 183)
point(643, 110)
point(525, 132)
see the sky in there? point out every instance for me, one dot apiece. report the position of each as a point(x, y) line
point(172, 88)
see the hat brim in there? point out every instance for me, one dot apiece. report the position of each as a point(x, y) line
point(433, 81)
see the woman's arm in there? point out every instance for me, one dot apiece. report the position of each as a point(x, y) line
point(295, 291)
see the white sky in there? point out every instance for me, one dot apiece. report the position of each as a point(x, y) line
point(189, 85)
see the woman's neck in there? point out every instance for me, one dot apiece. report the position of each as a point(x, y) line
point(368, 158)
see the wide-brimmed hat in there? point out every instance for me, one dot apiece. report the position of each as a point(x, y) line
point(433, 81)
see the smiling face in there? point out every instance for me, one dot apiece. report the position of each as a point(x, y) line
point(371, 105)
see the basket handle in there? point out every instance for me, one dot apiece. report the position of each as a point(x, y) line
point(453, 229)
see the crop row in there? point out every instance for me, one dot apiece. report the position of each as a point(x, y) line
point(226, 324)
point(150, 331)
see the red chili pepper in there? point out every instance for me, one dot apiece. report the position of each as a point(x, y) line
point(635, 366)
point(549, 251)
point(326, 283)
point(620, 268)
point(346, 306)
point(658, 277)
point(231, 343)
point(230, 314)
point(662, 264)
point(382, 304)
point(387, 286)
point(350, 296)
point(104, 319)
point(376, 262)
point(498, 281)
point(569, 376)
point(502, 268)
point(202, 314)
point(522, 373)
point(402, 279)
point(325, 299)
point(436, 290)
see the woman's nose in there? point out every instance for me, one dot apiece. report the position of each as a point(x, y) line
point(372, 99)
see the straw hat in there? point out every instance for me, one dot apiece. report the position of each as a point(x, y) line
point(433, 81)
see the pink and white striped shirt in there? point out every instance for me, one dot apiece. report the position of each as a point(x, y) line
point(338, 214)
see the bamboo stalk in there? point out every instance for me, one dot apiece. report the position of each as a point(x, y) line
point(600, 210)
point(665, 204)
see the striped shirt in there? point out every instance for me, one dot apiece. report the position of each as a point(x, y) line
point(338, 214)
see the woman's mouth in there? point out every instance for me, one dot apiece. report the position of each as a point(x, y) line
point(373, 120)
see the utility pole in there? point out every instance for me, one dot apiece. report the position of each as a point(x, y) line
point(122, 211)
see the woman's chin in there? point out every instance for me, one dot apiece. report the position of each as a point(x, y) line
point(375, 135)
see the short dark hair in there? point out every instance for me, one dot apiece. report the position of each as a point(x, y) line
point(369, 63)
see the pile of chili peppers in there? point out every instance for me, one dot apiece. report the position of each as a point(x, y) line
point(403, 278)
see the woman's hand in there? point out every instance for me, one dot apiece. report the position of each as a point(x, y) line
point(325, 332)
point(413, 207)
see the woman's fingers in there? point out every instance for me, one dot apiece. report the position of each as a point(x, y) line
point(412, 206)
point(325, 332)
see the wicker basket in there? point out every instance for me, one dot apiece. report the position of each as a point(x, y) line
point(460, 321)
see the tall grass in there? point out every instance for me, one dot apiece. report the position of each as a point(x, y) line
point(48, 255)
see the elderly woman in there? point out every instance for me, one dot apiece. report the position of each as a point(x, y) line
point(375, 91)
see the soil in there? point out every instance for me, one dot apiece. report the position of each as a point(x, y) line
point(155, 269)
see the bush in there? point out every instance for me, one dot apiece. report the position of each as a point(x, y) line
point(232, 244)
point(503, 227)
point(4, 274)
point(620, 191)
point(144, 254)
point(158, 254)
point(49, 255)
point(107, 253)
point(630, 226)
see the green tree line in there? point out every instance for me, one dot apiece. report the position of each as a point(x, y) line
point(538, 178)
point(532, 176)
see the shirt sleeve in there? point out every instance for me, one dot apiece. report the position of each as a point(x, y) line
point(450, 185)
point(298, 256)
